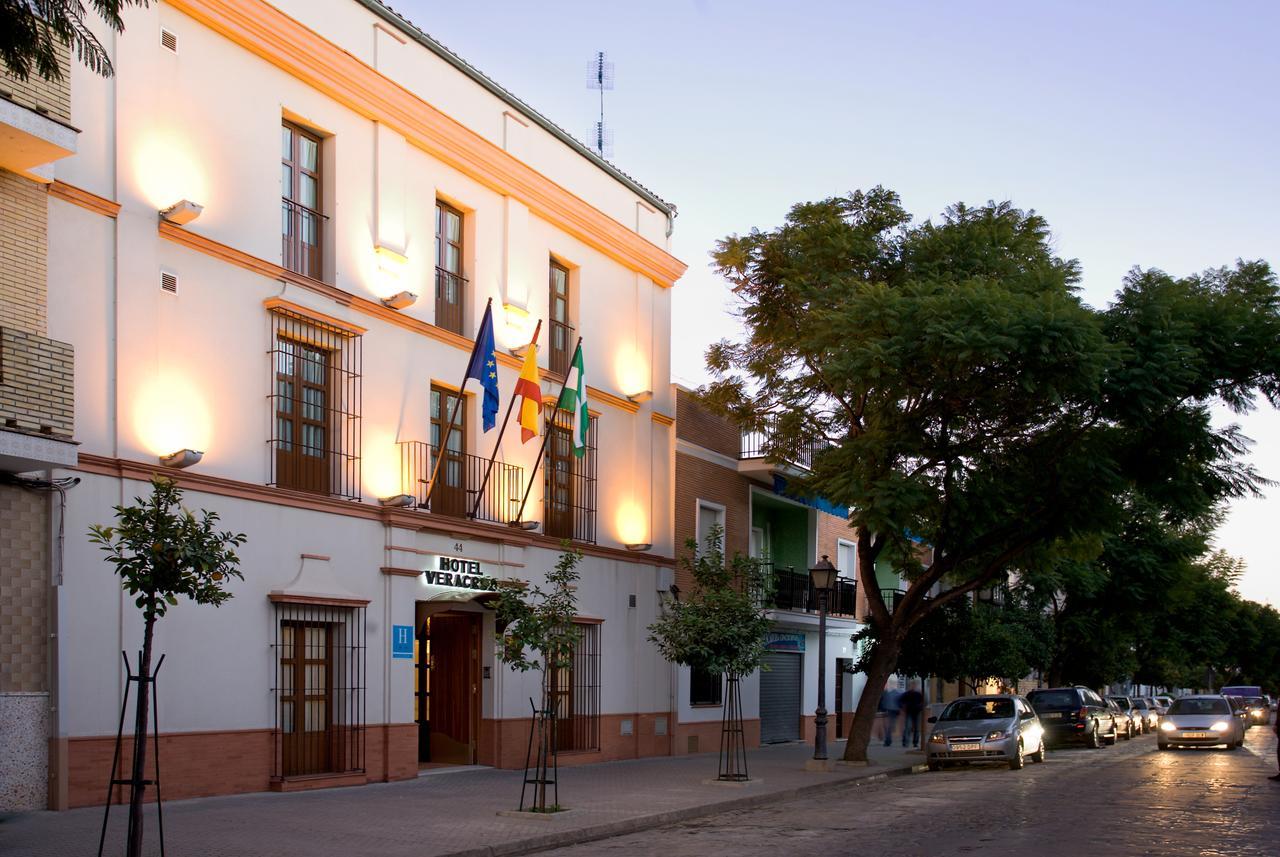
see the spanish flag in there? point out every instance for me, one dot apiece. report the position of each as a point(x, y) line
point(530, 392)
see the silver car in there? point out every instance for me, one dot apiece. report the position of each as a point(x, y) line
point(994, 728)
point(1200, 721)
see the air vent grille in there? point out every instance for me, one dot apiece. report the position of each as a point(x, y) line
point(169, 40)
point(169, 282)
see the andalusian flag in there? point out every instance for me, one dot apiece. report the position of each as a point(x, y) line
point(574, 400)
point(530, 392)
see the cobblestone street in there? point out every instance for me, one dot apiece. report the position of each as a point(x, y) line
point(1130, 800)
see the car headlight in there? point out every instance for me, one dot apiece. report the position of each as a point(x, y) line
point(1167, 726)
point(1220, 726)
point(995, 735)
point(937, 738)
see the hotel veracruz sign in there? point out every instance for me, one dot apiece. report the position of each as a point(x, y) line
point(452, 578)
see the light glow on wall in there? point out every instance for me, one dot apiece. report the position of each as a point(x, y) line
point(631, 523)
point(517, 325)
point(380, 466)
point(172, 413)
point(390, 268)
point(166, 169)
point(632, 370)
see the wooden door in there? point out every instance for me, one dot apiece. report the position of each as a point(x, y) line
point(449, 496)
point(454, 700)
point(306, 722)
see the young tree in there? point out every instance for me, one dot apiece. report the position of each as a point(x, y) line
point(719, 627)
point(29, 29)
point(539, 634)
point(162, 551)
point(959, 392)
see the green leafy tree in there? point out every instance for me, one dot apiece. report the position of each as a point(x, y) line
point(31, 29)
point(957, 391)
point(162, 552)
point(539, 634)
point(720, 626)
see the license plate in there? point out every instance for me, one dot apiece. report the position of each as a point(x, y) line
point(1197, 734)
point(1051, 715)
point(961, 748)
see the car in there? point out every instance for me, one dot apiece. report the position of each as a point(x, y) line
point(1164, 702)
point(1155, 703)
point(1132, 723)
point(1070, 714)
point(1150, 717)
point(1200, 721)
point(1258, 710)
point(987, 728)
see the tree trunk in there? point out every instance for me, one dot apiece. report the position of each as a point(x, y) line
point(884, 656)
point(140, 743)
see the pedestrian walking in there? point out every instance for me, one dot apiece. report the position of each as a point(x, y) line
point(889, 704)
point(1276, 726)
point(911, 702)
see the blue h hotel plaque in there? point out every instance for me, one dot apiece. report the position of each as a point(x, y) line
point(402, 641)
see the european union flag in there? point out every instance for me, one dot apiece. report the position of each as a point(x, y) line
point(484, 368)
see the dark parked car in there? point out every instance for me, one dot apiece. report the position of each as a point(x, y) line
point(1071, 714)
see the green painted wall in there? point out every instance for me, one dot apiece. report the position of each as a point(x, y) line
point(786, 531)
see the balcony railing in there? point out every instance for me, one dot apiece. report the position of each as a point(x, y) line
point(458, 482)
point(759, 444)
point(794, 590)
point(451, 290)
point(302, 232)
point(562, 345)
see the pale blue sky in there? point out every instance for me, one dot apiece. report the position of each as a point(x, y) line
point(1146, 132)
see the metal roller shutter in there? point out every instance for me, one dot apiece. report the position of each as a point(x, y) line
point(780, 698)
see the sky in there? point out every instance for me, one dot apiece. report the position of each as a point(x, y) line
point(1145, 132)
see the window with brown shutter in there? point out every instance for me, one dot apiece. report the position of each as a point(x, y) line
point(451, 287)
point(302, 224)
point(561, 331)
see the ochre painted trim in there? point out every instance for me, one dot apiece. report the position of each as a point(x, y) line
point(662, 419)
point(83, 198)
point(298, 51)
point(318, 556)
point(610, 399)
point(400, 572)
point(317, 600)
point(121, 468)
point(588, 620)
point(308, 312)
point(218, 250)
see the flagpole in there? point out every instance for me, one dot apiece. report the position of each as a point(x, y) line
point(546, 436)
point(453, 417)
point(498, 443)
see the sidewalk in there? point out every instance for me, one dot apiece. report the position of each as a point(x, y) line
point(449, 812)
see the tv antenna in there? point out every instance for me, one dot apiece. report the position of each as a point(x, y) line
point(600, 76)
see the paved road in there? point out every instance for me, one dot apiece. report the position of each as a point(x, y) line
point(1130, 800)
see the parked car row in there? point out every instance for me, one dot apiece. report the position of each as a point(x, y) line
point(1010, 729)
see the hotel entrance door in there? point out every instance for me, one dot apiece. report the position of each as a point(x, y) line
point(447, 688)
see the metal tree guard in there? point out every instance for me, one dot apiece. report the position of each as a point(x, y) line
point(544, 726)
point(115, 757)
point(733, 742)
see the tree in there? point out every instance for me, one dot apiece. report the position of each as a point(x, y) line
point(958, 391)
point(539, 634)
point(29, 30)
point(719, 627)
point(162, 551)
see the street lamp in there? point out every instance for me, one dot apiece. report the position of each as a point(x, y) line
point(823, 577)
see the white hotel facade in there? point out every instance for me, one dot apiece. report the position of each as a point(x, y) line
point(340, 158)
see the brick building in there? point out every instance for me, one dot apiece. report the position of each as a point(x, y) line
point(36, 427)
point(723, 479)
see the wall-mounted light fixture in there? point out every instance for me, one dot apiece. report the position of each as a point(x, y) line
point(523, 525)
point(182, 458)
point(641, 397)
point(400, 300)
point(181, 212)
point(643, 546)
point(397, 500)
